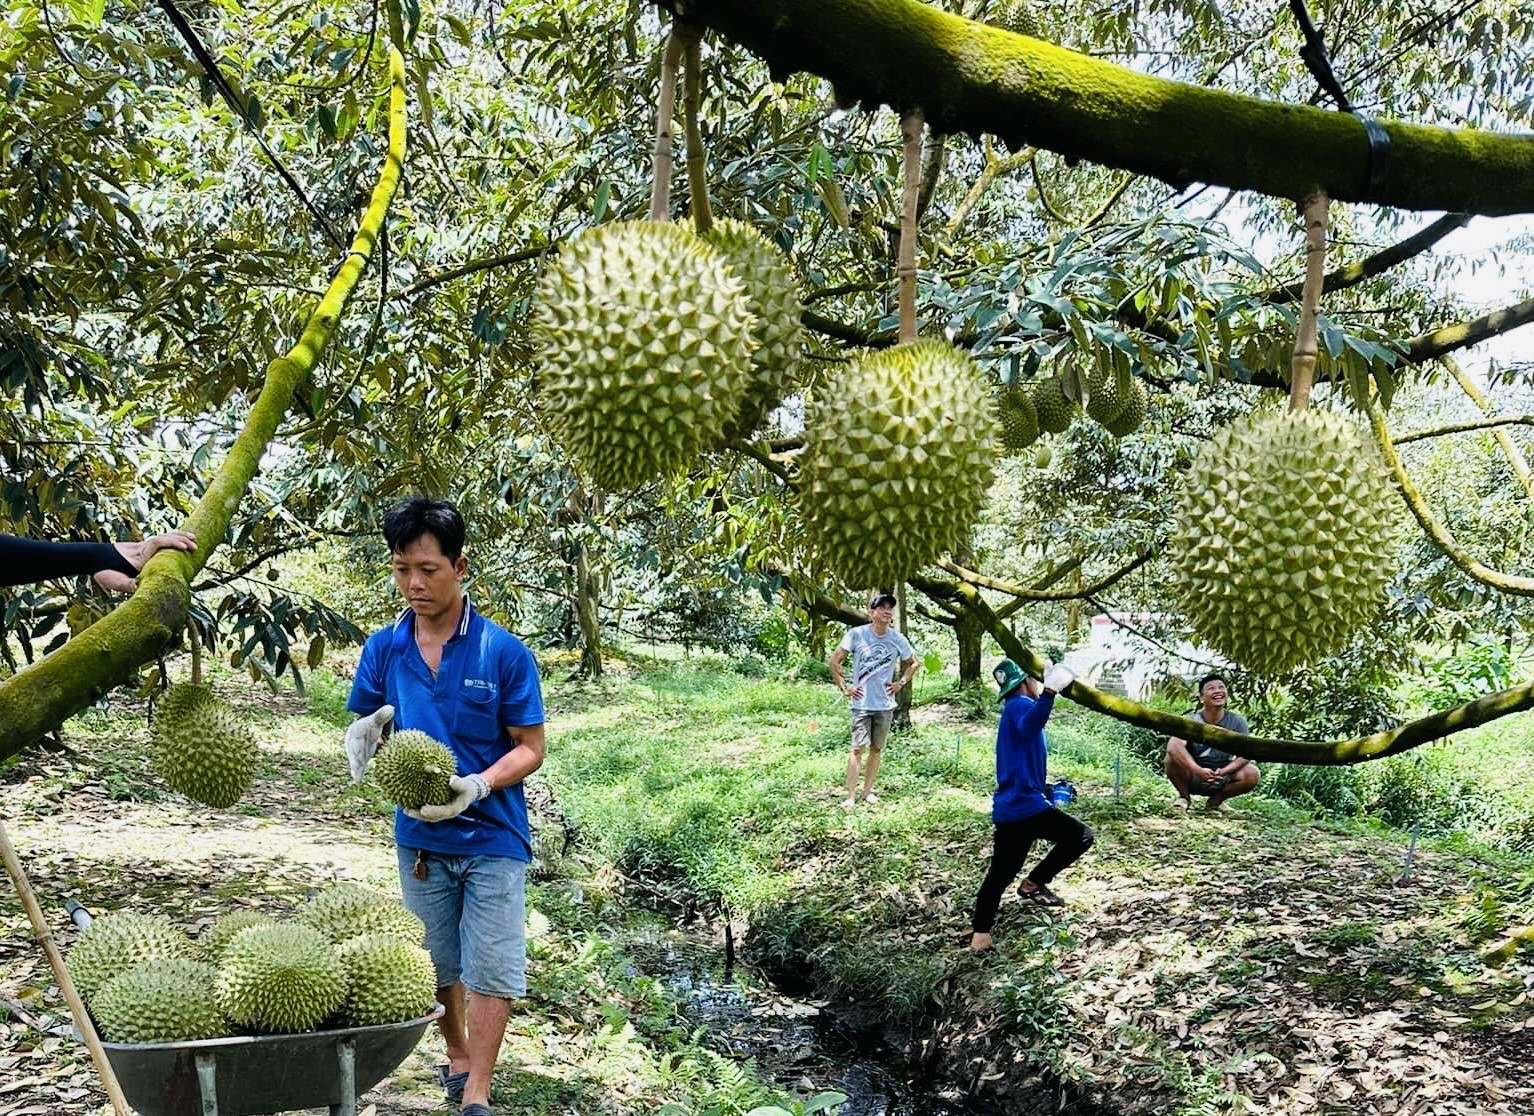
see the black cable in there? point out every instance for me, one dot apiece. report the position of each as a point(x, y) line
point(1315, 57)
point(237, 106)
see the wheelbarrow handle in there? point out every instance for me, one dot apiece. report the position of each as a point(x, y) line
point(77, 913)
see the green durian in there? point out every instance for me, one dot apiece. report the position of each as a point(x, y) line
point(276, 979)
point(413, 770)
point(773, 297)
point(114, 943)
point(1282, 549)
point(166, 1000)
point(347, 910)
point(645, 336)
point(1015, 16)
point(201, 747)
point(216, 938)
point(1053, 406)
point(388, 979)
point(1108, 393)
point(1129, 419)
point(1018, 420)
point(897, 461)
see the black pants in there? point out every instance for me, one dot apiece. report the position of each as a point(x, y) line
point(1014, 841)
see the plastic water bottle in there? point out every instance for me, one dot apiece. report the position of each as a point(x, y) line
point(1062, 793)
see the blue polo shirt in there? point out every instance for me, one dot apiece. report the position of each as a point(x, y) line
point(486, 683)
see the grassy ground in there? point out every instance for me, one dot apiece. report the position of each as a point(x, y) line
point(1265, 961)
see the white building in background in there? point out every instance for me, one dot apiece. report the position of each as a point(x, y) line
point(1117, 659)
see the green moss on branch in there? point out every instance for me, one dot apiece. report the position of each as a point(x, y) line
point(967, 77)
point(39, 698)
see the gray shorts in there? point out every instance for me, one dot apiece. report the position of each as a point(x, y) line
point(870, 729)
point(475, 920)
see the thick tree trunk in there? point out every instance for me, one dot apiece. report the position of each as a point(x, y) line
point(970, 632)
point(588, 600)
point(967, 77)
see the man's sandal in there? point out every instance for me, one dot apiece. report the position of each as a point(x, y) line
point(452, 1083)
point(1041, 895)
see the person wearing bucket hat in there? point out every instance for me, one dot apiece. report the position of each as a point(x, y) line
point(1020, 808)
point(876, 649)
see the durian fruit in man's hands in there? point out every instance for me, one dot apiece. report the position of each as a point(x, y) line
point(415, 770)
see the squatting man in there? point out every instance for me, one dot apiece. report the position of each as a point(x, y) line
point(1196, 768)
point(445, 670)
point(876, 649)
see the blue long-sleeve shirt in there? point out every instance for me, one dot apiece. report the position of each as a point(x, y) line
point(1021, 758)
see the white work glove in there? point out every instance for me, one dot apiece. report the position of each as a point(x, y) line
point(467, 790)
point(1058, 677)
point(362, 739)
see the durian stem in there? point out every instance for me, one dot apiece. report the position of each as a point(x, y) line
point(61, 975)
point(665, 111)
point(905, 270)
point(191, 635)
point(1302, 370)
point(692, 98)
point(1514, 455)
point(1507, 583)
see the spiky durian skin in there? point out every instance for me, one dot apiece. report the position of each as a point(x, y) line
point(773, 296)
point(388, 980)
point(216, 938)
point(1133, 414)
point(166, 1000)
point(1108, 393)
point(896, 463)
point(347, 910)
point(646, 338)
point(1283, 543)
point(413, 770)
point(201, 747)
point(277, 979)
point(114, 943)
point(1018, 420)
point(1015, 16)
point(1053, 406)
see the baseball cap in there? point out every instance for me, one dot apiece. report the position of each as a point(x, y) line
point(1009, 676)
point(882, 596)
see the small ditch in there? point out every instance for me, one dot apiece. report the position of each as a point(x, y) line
point(796, 1043)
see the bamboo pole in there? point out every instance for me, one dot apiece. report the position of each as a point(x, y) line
point(61, 975)
point(662, 157)
point(905, 269)
point(1302, 370)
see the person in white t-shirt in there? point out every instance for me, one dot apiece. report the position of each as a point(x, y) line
point(876, 650)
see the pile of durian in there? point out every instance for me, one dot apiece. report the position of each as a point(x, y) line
point(349, 957)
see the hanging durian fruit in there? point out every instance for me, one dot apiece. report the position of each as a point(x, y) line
point(1015, 16)
point(1133, 413)
point(773, 298)
point(1108, 392)
point(645, 336)
point(202, 748)
point(1018, 420)
point(1283, 542)
point(897, 460)
point(1053, 406)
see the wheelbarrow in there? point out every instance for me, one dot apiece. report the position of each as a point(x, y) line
point(246, 1075)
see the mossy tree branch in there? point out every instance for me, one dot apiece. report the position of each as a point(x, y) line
point(1467, 427)
point(1515, 457)
point(38, 699)
point(1320, 753)
point(1506, 583)
point(967, 77)
point(1036, 593)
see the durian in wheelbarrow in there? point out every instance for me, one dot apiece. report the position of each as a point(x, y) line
point(413, 769)
point(645, 336)
point(277, 979)
point(1282, 548)
point(347, 910)
point(166, 1000)
point(216, 938)
point(201, 747)
point(896, 463)
point(114, 943)
point(389, 979)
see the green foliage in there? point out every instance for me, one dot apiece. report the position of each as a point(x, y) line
point(1481, 666)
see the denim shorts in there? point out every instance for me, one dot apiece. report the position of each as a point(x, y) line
point(475, 921)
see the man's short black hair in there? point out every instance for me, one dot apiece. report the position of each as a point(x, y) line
point(408, 520)
point(1212, 676)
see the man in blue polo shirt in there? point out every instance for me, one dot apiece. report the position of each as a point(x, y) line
point(445, 670)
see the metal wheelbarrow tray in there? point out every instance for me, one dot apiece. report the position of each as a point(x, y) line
point(255, 1074)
